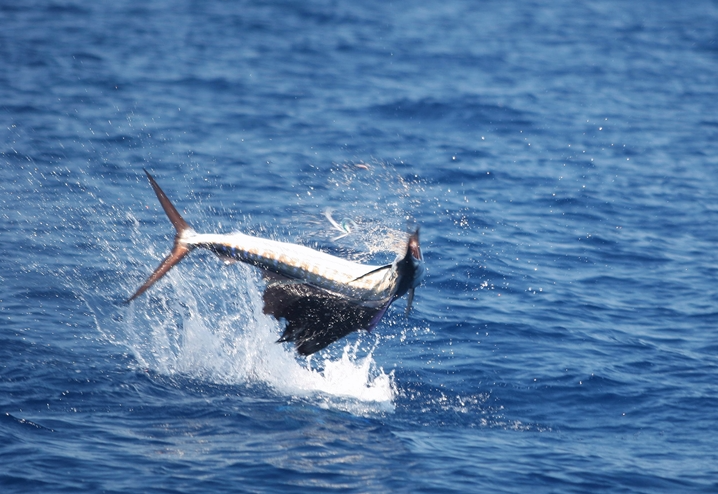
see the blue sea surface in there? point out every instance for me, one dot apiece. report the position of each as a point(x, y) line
point(560, 159)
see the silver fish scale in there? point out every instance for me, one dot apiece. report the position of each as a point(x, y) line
point(301, 263)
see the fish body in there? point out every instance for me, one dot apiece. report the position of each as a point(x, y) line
point(297, 262)
point(321, 297)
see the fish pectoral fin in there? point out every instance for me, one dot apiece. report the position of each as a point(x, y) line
point(316, 318)
point(409, 301)
point(388, 266)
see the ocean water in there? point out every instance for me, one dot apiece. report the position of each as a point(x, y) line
point(560, 158)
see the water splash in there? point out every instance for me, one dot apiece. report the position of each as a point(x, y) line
point(368, 227)
point(205, 321)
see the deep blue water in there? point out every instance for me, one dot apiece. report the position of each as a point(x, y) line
point(561, 159)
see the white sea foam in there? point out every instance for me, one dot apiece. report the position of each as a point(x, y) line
point(206, 322)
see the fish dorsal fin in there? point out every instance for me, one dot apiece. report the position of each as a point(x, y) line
point(315, 318)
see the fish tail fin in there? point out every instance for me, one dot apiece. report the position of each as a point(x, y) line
point(180, 248)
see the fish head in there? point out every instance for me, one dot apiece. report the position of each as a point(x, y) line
point(416, 259)
point(410, 267)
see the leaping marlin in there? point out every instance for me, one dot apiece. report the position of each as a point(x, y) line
point(321, 297)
